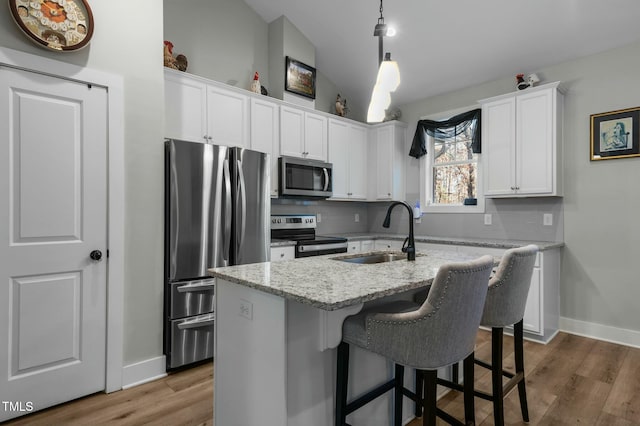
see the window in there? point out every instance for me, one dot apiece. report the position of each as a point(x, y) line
point(450, 170)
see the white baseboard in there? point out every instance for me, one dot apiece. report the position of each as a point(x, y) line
point(601, 332)
point(143, 372)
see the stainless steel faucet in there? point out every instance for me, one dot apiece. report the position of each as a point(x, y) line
point(409, 245)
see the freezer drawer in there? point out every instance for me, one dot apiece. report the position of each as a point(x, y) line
point(189, 298)
point(191, 340)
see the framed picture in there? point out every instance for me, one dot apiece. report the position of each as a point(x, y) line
point(615, 134)
point(300, 78)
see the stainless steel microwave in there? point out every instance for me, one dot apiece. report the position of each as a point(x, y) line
point(300, 177)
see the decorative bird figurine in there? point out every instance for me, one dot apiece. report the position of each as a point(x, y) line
point(169, 60)
point(340, 106)
point(255, 84)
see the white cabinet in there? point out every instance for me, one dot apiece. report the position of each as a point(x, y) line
point(387, 244)
point(366, 246)
point(282, 253)
point(348, 154)
point(202, 110)
point(265, 134)
point(354, 247)
point(303, 134)
point(387, 162)
point(522, 143)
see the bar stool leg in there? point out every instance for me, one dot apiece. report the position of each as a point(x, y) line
point(399, 384)
point(469, 403)
point(518, 341)
point(419, 392)
point(496, 375)
point(429, 402)
point(342, 373)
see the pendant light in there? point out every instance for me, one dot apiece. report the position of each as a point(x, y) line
point(388, 78)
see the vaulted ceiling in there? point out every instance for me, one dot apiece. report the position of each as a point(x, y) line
point(444, 45)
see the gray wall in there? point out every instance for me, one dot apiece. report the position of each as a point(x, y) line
point(599, 283)
point(121, 46)
point(338, 217)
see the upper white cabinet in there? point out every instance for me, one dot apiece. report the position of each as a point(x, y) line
point(196, 110)
point(265, 134)
point(348, 154)
point(387, 161)
point(185, 107)
point(303, 134)
point(522, 143)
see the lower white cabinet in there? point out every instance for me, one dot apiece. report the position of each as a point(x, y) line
point(282, 253)
point(366, 245)
point(387, 244)
point(354, 247)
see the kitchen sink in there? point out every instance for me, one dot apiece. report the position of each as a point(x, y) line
point(373, 258)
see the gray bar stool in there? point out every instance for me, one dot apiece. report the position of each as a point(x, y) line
point(505, 304)
point(435, 334)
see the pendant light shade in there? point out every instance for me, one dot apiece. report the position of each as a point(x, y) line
point(388, 78)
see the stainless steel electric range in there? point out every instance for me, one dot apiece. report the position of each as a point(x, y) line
point(302, 230)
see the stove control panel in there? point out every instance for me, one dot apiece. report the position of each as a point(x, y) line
point(293, 221)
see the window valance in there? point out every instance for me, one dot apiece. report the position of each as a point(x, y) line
point(446, 129)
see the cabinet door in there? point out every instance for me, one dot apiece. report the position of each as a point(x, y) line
point(498, 146)
point(357, 162)
point(387, 245)
point(384, 163)
point(185, 102)
point(339, 157)
point(354, 247)
point(532, 320)
point(291, 132)
point(534, 142)
point(366, 245)
point(265, 134)
point(227, 117)
point(315, 136)
point(282, 253)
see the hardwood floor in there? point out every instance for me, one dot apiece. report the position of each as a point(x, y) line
point(572, 380)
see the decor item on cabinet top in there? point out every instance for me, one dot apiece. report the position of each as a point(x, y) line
point(255, 83)
point(341, 106)
point(178, 63)
point(393, 114)
point(300, 78)
point(522, 84)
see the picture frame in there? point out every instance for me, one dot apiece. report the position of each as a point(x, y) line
point(300, 78)
point(615, 134)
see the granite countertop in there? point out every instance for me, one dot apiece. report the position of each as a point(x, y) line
point(474, 242)
point(329, 284)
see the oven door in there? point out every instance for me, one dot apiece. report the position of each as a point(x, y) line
point(307, 250)
point(304, 178)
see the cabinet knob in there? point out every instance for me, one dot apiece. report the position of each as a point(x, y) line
point(281, 254)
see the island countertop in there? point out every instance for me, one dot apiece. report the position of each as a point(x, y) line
point(329, 284)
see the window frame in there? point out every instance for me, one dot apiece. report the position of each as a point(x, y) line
point(426, 173)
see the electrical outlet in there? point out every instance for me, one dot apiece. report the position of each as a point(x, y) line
point(487, 219)
point(318, 218)
point(246, 309)
point(547, 219)
point(357, 217)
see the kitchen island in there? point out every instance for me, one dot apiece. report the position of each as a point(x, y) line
point(277, 327)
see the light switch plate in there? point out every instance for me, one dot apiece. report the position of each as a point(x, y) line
point(547, 219)
point(357, 217)
point(487, 219)
point(246, 309)
point(318, 218)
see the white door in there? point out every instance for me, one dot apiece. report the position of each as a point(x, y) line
point(53, 154)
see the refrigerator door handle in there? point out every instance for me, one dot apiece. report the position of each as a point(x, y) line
point(326, 178)
point(227, 215)
point(243, 200)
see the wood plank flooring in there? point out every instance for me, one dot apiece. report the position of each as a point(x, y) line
point(571, 381)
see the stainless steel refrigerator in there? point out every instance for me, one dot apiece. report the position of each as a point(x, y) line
point(217, 210)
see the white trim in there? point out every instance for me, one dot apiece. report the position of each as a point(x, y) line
point(601, 332)
point(115, 266)
point(143, 372)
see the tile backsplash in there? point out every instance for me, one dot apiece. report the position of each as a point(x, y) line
point(516, 219)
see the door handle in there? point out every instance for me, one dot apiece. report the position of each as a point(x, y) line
point(243, 201)
point(96, 255)
point(326, 178)
point(227, 218)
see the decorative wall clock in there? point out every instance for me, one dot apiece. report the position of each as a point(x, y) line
point(61, 25)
